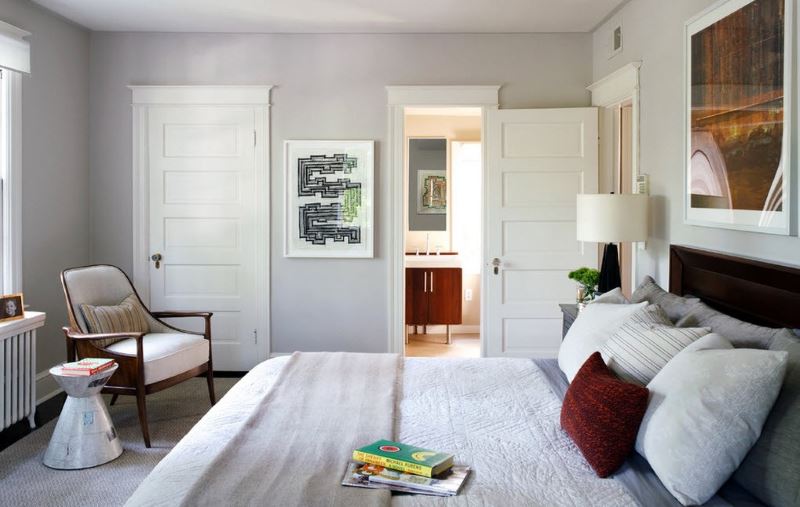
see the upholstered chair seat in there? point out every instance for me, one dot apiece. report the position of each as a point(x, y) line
point(152, 354)
point(166, 354)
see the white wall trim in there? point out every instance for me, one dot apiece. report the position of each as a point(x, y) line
point(609, 92)
point(145, 97)
point(615, 87)
point(398, 98)
point(12, 186)
point(201, 95)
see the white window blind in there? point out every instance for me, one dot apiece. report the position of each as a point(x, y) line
point(15, 51)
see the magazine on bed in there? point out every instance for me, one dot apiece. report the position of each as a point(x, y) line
point(362, 475)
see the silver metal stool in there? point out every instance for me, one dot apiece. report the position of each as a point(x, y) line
point(84, 436)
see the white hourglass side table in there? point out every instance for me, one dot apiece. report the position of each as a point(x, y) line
point(84, 436)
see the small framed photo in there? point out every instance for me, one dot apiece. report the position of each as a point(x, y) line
point(11, 307)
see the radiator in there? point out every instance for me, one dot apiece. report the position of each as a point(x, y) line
point(18, 369)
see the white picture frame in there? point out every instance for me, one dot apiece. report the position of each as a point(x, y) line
point(332, 214)
point(768, 220)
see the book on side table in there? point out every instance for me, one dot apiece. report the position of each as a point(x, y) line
point(87, 366)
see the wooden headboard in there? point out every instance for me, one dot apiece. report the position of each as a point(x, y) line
point(748, 289)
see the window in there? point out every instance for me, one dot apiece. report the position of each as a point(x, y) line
point(10, 269)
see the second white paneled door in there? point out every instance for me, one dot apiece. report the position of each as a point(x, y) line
point(537, 160)
point(202, 222)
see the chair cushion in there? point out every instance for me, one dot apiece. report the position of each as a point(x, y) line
point(127, 316)
point(166, 354)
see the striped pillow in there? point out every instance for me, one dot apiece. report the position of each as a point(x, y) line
point(128, 316)
point(638, 350)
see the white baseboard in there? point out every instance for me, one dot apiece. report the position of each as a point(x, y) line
point(46, 387)
point(456, 329)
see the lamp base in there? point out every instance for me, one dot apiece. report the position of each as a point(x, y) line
point(609, 270)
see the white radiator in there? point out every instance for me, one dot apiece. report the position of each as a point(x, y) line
point(18, 369)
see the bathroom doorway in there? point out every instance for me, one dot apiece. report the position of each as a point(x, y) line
point(443, 227)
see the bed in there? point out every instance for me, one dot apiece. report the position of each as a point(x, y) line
point(500, 416)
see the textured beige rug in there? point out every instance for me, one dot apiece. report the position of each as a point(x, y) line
point(24, 480)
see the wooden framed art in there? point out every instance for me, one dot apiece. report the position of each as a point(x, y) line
point(738, 116)
point(329, 198)
point(12, 307)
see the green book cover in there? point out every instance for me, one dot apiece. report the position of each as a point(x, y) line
point(403, 457)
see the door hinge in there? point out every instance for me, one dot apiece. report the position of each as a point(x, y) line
point(255, 336)
point(254, 138)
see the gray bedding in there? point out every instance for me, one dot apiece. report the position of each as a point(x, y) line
point(637, 476)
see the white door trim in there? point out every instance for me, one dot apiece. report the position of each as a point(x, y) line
point(400, 97)
point(620, 86)
point(257, 96)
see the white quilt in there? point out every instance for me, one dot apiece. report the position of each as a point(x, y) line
point(497, 415)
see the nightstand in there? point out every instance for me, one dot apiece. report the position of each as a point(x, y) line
point(570, 314)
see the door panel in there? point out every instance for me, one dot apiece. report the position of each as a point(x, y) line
point(202, 221)
point(538, 160)
point(416, 296)
point(444, 296)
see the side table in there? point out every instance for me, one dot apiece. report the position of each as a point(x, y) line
point(84, 436)
point(570, 313)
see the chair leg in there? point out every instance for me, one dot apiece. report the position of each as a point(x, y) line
point(140, 403)
point(114, 398)
point(210, 380)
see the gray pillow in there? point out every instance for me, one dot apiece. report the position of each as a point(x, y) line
point(741, 334)
point(676, 307)
point(771, 470)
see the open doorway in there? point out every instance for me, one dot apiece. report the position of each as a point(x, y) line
point(442, 240)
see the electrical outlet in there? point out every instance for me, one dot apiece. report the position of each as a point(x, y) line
point(468, 295)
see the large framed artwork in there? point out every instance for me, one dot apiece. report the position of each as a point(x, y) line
point(329, 198)
point(738, 90)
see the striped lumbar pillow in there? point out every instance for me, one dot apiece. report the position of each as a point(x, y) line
point(127, 317)
point(639, 349)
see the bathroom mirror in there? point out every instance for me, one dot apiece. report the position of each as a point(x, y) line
point(427, 184)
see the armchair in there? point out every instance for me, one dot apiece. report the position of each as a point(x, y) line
point(148, 362)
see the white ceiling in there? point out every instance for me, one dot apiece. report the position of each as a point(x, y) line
point(336, 16)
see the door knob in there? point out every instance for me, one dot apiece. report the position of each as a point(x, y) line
point(156, 257)
point(496, 265)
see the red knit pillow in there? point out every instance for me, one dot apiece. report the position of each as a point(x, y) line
point(602, 413)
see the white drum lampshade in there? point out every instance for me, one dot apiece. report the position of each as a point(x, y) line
point(612, 218)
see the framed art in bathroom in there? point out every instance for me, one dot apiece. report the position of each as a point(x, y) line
point(329, 198)
point(738, 116)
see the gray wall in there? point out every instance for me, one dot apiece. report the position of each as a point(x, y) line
point(55, 165)
point(328, 87)
point(653, 33)
point(425, 154)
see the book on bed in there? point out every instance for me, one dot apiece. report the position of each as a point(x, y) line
point(404, 458)
point(364, 475)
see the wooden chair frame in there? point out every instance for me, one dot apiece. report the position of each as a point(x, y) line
point(129, 377)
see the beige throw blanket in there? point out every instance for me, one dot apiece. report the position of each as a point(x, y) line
point(294, 447)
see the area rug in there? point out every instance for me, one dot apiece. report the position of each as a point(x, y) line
point(24, 480)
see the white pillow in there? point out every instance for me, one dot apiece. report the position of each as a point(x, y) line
point(595, 324)
point(706, 410)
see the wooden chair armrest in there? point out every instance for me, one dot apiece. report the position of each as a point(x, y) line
point(165, 315)
point(77, 335)
point(172, 315)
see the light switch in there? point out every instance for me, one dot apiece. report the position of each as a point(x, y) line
point(468, 295)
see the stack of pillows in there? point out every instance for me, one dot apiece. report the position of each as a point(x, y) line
point(691, 398)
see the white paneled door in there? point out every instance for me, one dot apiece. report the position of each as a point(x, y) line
point(538, 160)
point(202, 223)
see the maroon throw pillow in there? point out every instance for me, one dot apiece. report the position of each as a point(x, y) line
point(602, 413)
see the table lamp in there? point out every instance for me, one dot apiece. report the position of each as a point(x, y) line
point(611, 219)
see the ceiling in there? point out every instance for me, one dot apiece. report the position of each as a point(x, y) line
point(336, 16)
